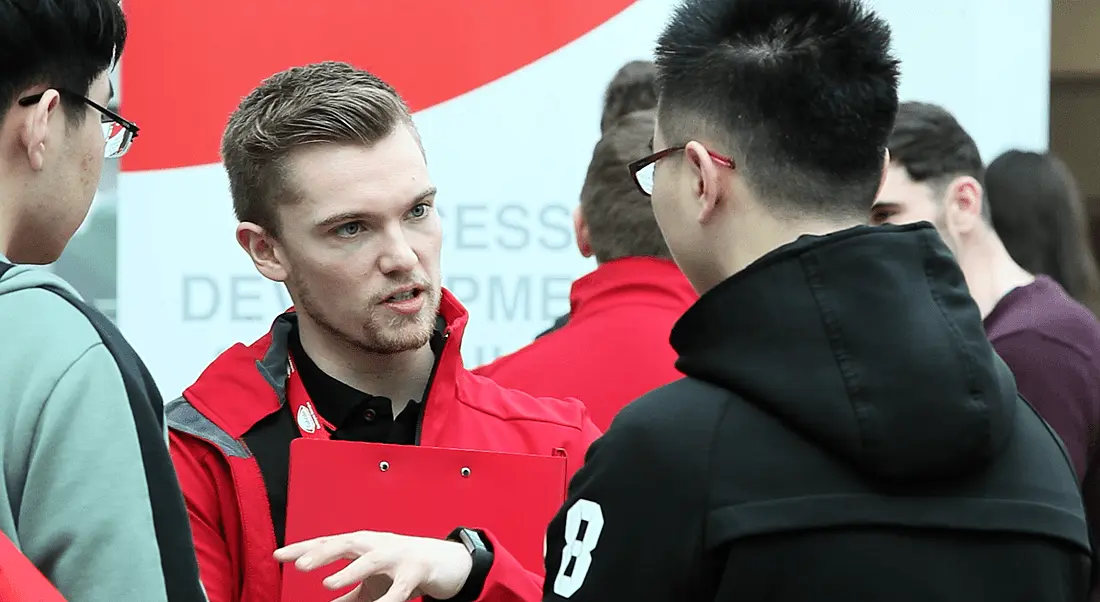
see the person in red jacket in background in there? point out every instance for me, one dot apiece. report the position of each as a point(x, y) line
point(632, 88)
point(614, 346)
point(334, 198)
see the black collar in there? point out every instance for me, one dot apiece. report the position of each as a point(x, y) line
point(335, 400)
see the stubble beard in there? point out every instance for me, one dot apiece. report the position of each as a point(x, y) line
point(381, 331)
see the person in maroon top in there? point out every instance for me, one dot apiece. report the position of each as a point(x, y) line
point(1050, 341)
point(614, 347)
point(1025, 188)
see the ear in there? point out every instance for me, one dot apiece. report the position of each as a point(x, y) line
point(706, 180)
point(35, 131)
point(580, 230)
point(263, 249)
point(963, 199)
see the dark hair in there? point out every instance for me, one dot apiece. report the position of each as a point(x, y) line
point(63, 44)
point(634, 88)
point(934, 148)
point(328, 102)
point(800, 93)
point(1039, 215)
point(620, 218)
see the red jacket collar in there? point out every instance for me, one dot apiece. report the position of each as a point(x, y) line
point(657, 281)
point(246, 383)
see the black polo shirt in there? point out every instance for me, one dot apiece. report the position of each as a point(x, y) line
point(356, 416)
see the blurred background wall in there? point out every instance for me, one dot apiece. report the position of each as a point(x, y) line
point(1075, 95)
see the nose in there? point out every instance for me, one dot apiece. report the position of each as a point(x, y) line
point(398, 255)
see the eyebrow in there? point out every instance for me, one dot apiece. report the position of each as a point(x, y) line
point(332, 220)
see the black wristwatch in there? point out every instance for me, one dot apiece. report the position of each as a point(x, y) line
point(481, 552)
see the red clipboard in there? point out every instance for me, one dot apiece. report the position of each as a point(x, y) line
point(20, 580)
point(343, 486)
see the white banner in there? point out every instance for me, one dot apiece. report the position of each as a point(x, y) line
point(508, 158)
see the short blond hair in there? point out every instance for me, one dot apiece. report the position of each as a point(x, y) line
point(329, 102)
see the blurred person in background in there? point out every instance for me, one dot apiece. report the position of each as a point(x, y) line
point(633, 88)
point(1050, 341)
point(615, 346)
point(1039, 215)
point(845, 431)
point(87, 491)
point(331, 187)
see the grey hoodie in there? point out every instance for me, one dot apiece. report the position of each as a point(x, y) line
point(87, 490)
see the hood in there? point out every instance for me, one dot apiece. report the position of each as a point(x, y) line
point(867, 342)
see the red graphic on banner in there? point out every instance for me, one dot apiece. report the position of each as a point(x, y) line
point(189, 62)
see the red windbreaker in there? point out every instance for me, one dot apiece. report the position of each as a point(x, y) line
point(225, 493)
point(614, 348)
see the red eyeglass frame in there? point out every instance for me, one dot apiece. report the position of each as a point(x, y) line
point(640, 164)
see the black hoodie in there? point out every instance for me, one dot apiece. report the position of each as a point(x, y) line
point(845, 433)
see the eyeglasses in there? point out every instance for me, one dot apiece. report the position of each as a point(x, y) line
point(118, 132)
point(641, 171)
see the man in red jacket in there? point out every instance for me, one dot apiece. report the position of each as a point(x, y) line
point(614, 347)
point(334, 199)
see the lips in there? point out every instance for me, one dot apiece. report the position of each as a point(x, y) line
point(189, 62)
point(409, 301)
point(406, 295)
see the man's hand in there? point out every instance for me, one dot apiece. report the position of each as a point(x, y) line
point(388, 567)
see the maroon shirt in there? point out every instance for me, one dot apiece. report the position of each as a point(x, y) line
point(1052, 345)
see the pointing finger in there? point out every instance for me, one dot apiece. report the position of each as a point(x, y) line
point(347, 547)
point(295, 550)
point(361, 569)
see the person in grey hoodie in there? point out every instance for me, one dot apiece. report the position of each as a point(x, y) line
point(87, 488)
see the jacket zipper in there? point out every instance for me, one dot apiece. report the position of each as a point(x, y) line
point(431, 381)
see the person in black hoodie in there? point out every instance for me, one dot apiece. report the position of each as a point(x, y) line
point(845, 431)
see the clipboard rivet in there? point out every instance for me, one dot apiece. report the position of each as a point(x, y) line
point(465, 471)
point(383, 466)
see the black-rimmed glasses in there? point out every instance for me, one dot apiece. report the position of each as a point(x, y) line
point(118, 132)
point(641, 171)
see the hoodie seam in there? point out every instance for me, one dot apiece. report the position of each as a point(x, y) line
point(956, 336)
point(841, 356)
point(708, 474)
